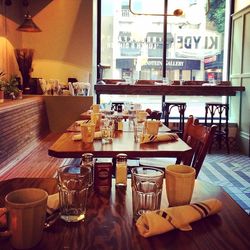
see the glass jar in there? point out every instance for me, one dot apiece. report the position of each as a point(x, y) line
point(87, 161)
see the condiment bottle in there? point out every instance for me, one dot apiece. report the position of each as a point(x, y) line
point(87, 161)
point(103, 175)
point(121, 170)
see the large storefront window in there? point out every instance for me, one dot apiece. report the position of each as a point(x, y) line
point(132, 45)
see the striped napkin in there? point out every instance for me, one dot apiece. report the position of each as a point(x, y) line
point(52, 203)
point(161, 221)
point(168, 137)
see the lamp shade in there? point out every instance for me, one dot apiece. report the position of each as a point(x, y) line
point(28, 25)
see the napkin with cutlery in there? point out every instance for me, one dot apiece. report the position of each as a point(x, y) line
point(168, 137)
point(78, 137)
point(180, 217)
point(52, 203)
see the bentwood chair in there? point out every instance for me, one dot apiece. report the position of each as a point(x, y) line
point(198, 137)
point(113, 81)
point(181, 108)
point(147, 82)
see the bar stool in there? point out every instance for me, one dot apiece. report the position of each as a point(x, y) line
point(214, 111)
point(167, 108)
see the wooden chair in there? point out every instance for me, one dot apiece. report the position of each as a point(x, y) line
point(199, 138)
point(181, 107)
point(194, 82)
point(113, 81)
point(147, 82)
point(155, 115)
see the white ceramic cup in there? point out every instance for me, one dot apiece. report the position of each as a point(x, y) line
point(152, 127)
point(96, 119)
point(180, 181)
point(88, 132)
point(96, 108)
point(26, 210)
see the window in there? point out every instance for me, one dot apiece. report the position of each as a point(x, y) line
point(132, 45)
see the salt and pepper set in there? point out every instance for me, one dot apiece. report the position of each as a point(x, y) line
point(101, 172)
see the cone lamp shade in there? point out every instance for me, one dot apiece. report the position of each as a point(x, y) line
point(28, 25)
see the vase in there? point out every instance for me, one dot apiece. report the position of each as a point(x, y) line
point(24, 59)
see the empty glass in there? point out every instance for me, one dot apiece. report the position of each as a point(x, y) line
point(73, 183)
point(146, 189)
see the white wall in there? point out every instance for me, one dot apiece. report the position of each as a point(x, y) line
point(64, 47)
point(240, 4)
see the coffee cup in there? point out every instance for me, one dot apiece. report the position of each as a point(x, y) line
point(26, 210)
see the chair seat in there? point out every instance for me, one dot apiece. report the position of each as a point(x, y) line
point(157, 162)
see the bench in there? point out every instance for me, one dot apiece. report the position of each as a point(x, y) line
point(35, 161)
point(29, 127)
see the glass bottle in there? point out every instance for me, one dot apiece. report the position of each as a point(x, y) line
point(121, 170)
point(87, 161)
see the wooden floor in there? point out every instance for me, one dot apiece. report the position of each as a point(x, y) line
point(36, 164)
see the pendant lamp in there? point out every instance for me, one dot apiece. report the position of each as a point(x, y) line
point(28, 25)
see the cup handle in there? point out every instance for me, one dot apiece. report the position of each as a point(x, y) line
point(3, 222)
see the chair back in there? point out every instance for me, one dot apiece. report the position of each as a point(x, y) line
point(199, 138)
point(147, 82)
point(113, 81)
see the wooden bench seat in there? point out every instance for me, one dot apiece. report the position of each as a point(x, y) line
point(36, 162)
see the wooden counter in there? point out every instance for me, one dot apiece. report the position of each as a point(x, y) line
point(165, 90)
point(24, 122)
point(21, 123)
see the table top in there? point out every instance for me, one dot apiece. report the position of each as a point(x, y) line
point(123, 142)
point(128, 89)
point(109, 223)
point(126, 127)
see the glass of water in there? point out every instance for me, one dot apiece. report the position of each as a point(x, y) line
point(73, 183)
point(146, 189)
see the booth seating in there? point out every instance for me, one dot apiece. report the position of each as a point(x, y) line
point(215, 113)
point(168, 107)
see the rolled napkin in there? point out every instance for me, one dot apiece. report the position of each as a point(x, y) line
point(80, 122)
point(164, 220)
point(78, 137)
point(147, 138)
point(52, 203)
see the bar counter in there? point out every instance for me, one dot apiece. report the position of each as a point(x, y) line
point(165, 90)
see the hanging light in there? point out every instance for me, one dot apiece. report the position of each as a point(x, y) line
point(28, 25)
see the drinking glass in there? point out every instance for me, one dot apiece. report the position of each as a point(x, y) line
point(146, 189)
point(107, 130)
point(73, 183)
point(138, 129)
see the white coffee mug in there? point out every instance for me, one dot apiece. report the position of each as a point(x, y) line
point(26, 210)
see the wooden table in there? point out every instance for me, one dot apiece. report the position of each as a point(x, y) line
point(165, 90)
point(123, 142)
point(126, 127)
point(109, 223)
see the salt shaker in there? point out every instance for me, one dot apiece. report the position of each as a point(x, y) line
point(87, 161)
point(121, 170)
